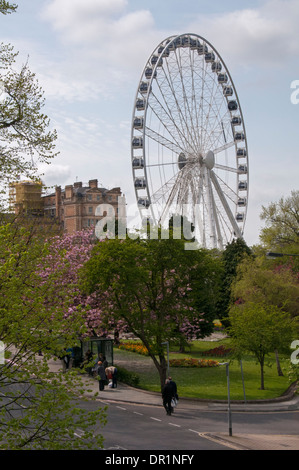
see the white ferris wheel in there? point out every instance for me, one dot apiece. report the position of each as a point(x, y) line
point(188, 141)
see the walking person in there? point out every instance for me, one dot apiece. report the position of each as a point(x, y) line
point(65, 360)
point(174, 390)
point(102, 375)
point(167, 397)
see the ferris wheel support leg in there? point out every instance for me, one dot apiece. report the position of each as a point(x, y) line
point(225, 205)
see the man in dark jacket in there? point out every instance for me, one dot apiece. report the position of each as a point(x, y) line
point(167, 395)
point(102, 374)
point(174, 389)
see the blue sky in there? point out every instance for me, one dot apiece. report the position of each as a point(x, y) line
point(89, 56)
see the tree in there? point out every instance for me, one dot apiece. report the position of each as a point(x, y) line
point(147, 286)
point(66, 255)
point(31, 321)
point(233, 254)
point(6, 8)
point(37, 409)
point(260, 329)
point(281, 222)
point(257, 281)
point(24, 129)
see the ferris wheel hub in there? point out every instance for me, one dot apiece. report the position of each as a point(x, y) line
point(209, 160)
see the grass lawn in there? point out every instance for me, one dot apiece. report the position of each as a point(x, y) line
point(210, 382)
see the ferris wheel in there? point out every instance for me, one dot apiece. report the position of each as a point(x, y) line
point(188, 141)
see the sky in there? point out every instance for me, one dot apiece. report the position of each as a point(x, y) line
point(89, 56)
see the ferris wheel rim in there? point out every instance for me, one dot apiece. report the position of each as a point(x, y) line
point(162, 47)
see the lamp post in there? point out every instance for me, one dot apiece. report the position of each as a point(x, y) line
point(228, 397)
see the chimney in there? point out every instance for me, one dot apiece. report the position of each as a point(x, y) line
point(58, 201)
point(69, 191)
point(93, 183)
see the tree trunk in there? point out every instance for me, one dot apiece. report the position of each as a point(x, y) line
point(279, 371)
point(262, 374)
point(161, 367)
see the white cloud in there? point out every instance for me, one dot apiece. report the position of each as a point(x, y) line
point(105, 45)
point(266, 35)
point(55, 174)
point(104, 25)
point(104, 30)
point(77, 19)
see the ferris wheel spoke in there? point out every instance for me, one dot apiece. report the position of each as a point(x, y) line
point(163, 141)
point(167, 121)
point(164, 189)
point(209, 107)
point(224, 147)
point(186, 100)
point(167, 117)
point(229, 193)
point(225, 204)
point(176, 110)
point(170, 199)
point(226, 168)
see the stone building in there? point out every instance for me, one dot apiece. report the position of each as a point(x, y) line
point(74, 208)
point(25, 197)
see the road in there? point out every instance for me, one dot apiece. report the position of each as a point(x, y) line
point(140, 427)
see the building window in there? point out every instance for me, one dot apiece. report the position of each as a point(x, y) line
point(90, 210)
point(89, 197)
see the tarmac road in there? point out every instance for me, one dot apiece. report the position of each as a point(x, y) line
point(127, 402)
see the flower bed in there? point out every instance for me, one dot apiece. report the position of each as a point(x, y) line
point(219, 351)
point(218, 325)
point(139, 348)
point(134, 346)
point(188, 362)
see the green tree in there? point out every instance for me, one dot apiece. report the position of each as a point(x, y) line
point(259, 328)
point(281, 223)
point(258, 281)
point(24, 129)
point(232, 256)
point(37, 408)
point(148, 286)
point(6, 8)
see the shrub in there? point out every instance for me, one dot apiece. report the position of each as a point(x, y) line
point(127, 377)
point(218, 351)
point(188, 362)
